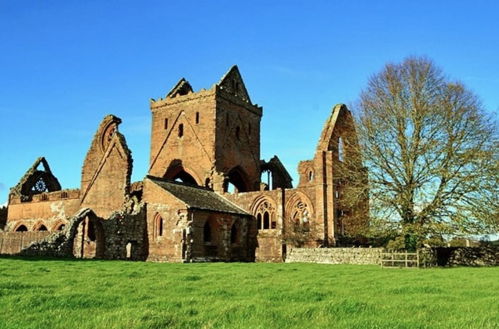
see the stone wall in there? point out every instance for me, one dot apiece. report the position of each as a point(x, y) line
point(461, 256)
point(13, 242)
point(359, 256)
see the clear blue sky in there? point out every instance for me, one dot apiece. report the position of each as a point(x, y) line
point(64, 65)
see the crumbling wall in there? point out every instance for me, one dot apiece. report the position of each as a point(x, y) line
point(50, 211)
point(124, 232)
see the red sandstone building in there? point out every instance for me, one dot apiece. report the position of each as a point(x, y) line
point(203, 197)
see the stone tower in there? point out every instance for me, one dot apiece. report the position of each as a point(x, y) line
point(209, 138)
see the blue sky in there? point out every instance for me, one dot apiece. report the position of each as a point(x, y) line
point(64, 65)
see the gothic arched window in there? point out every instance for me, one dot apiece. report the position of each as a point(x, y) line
point(265, 216)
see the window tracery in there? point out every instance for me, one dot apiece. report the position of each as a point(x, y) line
point(265, 216)
point(301, 214)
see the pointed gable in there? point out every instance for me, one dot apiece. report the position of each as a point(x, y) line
point(183, 87)
point(37, 179)
point(107, 169)
point(330, 130)
point(232, 82)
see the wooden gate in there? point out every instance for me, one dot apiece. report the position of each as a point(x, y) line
point(400, 259)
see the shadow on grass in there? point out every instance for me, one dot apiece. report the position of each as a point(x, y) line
point(45, 258)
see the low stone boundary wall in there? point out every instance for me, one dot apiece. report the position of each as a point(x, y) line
point(461, 256)
point(13, 242)
point(358, 256)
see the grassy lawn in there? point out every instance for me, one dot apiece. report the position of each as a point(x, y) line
point(112, 294)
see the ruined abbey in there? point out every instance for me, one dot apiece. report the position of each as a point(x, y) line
point(207, 196)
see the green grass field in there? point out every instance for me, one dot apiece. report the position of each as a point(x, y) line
point(112, 294)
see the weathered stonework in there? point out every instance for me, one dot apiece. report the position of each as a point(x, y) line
point(207, 196)
point(461, 256)
point(357, 256)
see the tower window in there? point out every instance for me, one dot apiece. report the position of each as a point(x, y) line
point(238, 132)
point(181, 130)
point(166, 123)
point(197, 117)
point(310, 176)
point(159, 225)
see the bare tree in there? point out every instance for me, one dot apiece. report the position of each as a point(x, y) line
point(430, 151)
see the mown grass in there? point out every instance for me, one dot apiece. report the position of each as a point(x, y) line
point(112, 294)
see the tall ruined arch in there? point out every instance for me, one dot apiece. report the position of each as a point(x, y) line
point(339, 134)
point(88, 236)
point(106, 169)
point(265, 211)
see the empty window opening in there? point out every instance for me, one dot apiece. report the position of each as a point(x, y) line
point(238, 133)
point(267, 178)
point(91, 231)
point(259, 221)
point(207, 232)
point(197, 117)
point(233, 234)
point(310, 176)
point(341, 149)
point(21, 228)
point(159, 225)
point(42, 228)
point(181, 130)
point(266, 220)
point(273, 225)
point(249, 128)
point(207, 183)
point(337, 194)
point(60, 227)
point(166, 123)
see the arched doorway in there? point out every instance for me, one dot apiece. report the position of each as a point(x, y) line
point(89, 239)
